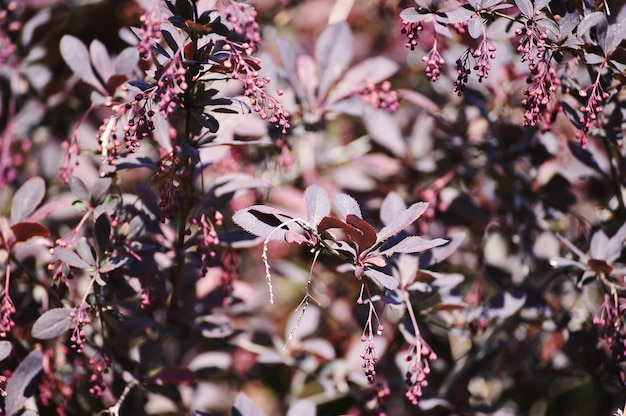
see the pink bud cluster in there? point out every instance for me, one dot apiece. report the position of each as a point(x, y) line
point(369, 357)
point(243, 19)
point(592, 110)
point(378, 96)
point(434, 61)
point(411, 30)
point(418, 357)
point(463, 71)
point(7, 47)
point(242, 67)
point(206, 239)
point(171, 84)
point(150, 31)
point(99, 366)
point(543, 83)
point(80, 316)
point(139, 124)
point(70, 157)
point(229, 274)
point(168, 174)
point(7, 309)
point(532, 44)
point(483, 55)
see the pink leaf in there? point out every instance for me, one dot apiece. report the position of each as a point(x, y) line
point(347, 205)
point(317, 204)
point(384, 279)
point(403, 220)
point(413, 244)
point(262, 221)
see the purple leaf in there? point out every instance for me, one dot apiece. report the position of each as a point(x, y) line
point(317, 204)
point(20, 386)
point(374, 70)
point(526, 7)
point(76, 56)
point(347, 205)
point(52, 323)
point(413, 244)
point(100, 188)
point(26, 199)
point(306, 71)
point(333, 53)
point(262, 221)
point(592, 20)
point(5, 349)
point(385, 130)
point(402, 220)
point(288, 58)
point(47, 209)
point(79, 189)
point(70, 258)
point(384, 279)
point(244, 407)
point(84, 250)
point(439, 254)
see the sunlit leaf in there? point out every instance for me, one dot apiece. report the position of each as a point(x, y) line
point(317, 204)
point(402, 220)
point(5, 349)
point(76, 56)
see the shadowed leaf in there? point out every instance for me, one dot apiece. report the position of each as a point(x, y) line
point(26, 199)
point(20, 386)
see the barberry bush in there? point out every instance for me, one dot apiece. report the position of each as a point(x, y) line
point(382, 207)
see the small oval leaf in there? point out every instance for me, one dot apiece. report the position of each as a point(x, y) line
point(70, 258)
point(5, 349)
point(52, 323)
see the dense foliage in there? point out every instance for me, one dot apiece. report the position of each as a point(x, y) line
point(214, 207)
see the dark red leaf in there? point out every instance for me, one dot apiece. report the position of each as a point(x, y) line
point(26, 230)
point(367, 234)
